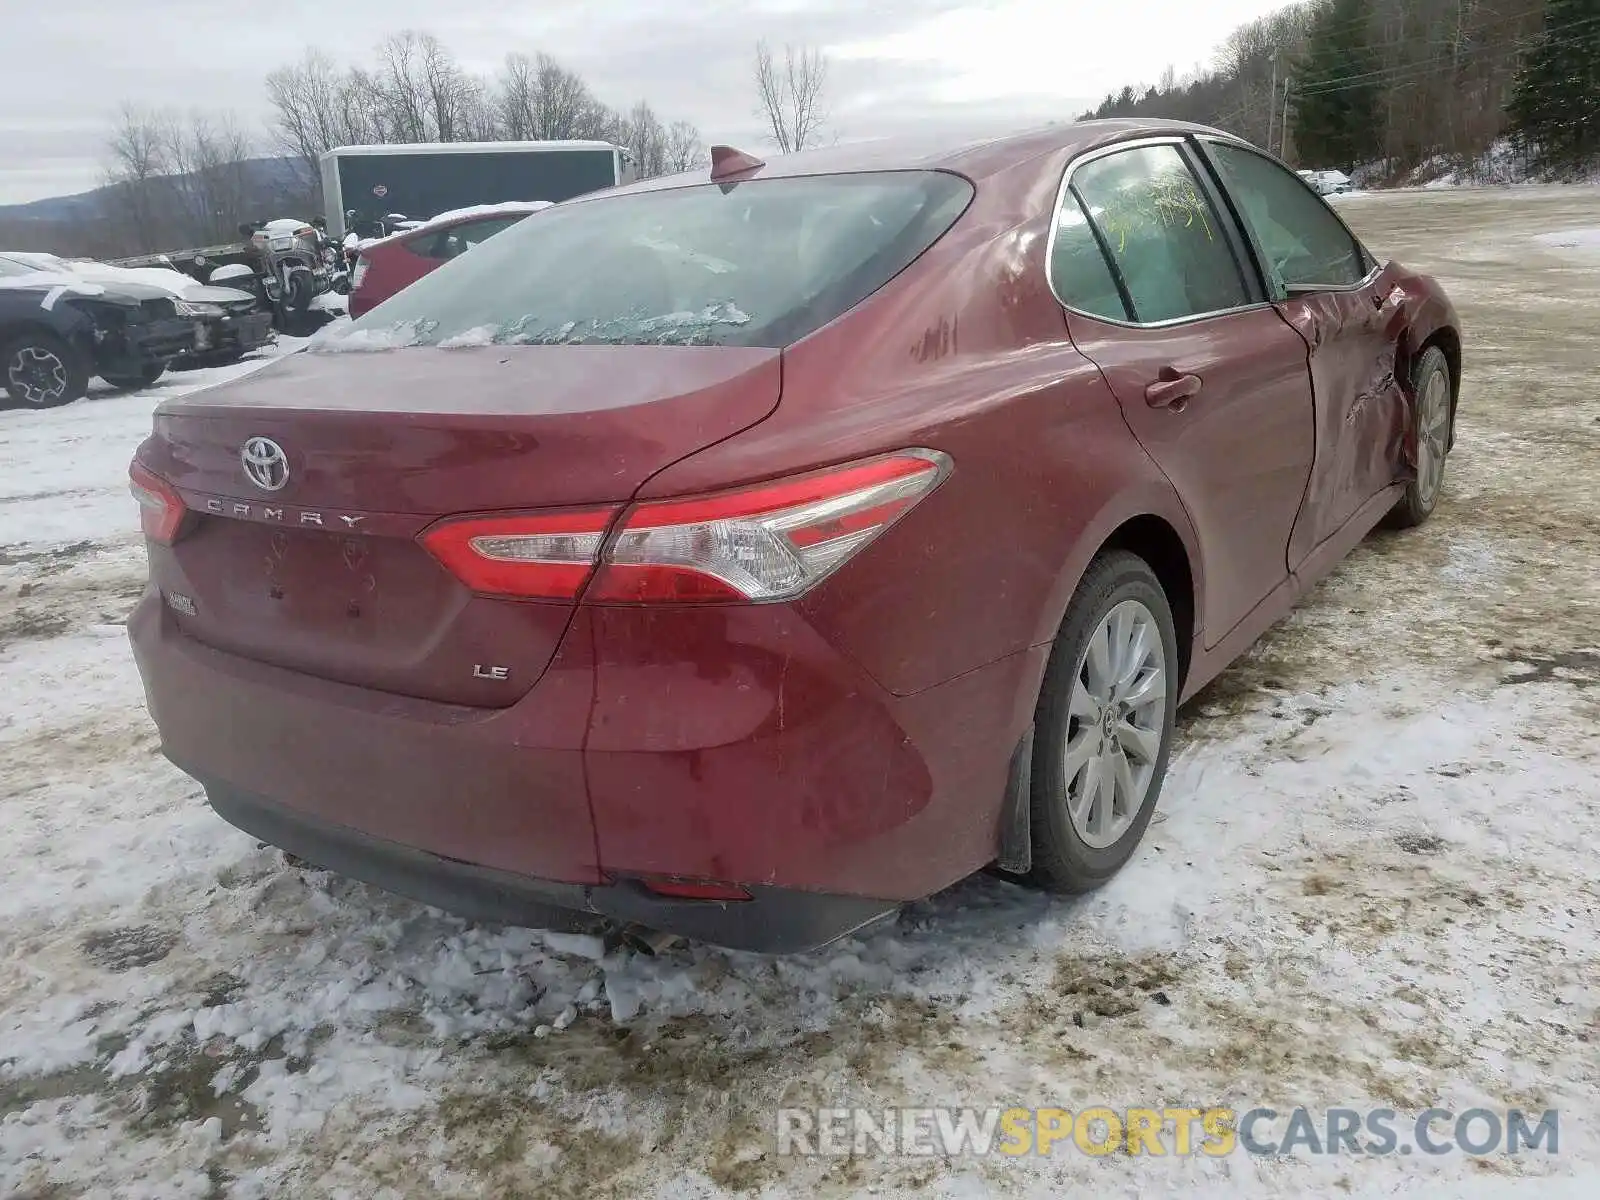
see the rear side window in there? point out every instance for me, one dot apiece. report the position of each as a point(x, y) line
point(1166, 243)
point(760, 263)
point(1305, 245)
point(1079, 272)
point(458, 239)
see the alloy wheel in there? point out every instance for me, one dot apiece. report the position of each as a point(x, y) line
point(37, 375)
point(1433, 436)
point(1116, 716)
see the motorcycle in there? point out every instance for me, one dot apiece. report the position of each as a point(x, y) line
point(295, 262)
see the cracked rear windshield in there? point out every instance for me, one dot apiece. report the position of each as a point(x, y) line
point(761, 264)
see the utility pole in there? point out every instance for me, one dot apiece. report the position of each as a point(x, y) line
point(1272, 100)
point(1283, 127)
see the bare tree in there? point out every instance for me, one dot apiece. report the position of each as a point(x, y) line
point(402, 88)
point(176, 179)
point(215, 151)
point(791, 94)
point(454, 97)
point(134, 171)
point(515, 89)
point(317, 107)
point(563, 102)
point(684, 150)
point(539, 99)
point(643, 133)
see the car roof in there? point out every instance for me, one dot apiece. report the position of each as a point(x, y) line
point(975, 155)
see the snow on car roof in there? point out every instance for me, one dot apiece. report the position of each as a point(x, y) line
point(87, 271)
point(474, 212)
point(486, 210)
point(35, 280)
point(35, 258)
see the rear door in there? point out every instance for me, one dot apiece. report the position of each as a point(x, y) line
point(1351, 314)
point(1211, 379)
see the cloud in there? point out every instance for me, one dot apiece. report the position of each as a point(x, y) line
point(897, 64)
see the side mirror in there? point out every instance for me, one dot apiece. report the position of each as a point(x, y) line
point(246, 228)
point(319, 222)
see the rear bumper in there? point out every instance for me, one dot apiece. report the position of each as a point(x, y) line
point(772, 921)
point(732, 745)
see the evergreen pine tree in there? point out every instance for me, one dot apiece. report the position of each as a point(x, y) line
point(1555, 106)
point(1336, 105)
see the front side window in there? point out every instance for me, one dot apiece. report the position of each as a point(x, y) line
point(760, 263)
point(1166, 243)
point(1305, 245)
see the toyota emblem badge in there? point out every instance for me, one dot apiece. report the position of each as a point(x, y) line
point(265, 463)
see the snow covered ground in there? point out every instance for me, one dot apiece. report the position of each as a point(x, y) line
point(1586, 241)
point(1372, 883)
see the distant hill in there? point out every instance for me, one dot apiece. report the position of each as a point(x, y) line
point(271, 176)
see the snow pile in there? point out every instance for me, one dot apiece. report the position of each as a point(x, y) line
point(468, 339)
point(343, 337)
point(1501, 163)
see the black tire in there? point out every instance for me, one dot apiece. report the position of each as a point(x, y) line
point(144, 378)
point(1062, 860)
point(1431, 370)
point(40, 370)
point(299, 291)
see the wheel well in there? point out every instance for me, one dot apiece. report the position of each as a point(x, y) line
point(12, 330)
point(1153, 540)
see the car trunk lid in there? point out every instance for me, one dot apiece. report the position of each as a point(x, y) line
point(312, 563)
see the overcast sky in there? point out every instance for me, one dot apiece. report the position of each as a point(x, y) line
point(896, 64)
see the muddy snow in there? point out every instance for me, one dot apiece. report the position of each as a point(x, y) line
point(1372, 884)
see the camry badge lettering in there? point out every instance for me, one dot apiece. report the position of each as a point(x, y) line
point(260, 512)
point(479, 671)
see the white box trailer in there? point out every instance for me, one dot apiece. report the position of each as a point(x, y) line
point(422, 180)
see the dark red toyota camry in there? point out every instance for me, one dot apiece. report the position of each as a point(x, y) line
point(743, 555)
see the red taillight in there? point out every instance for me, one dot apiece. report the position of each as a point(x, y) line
point(541, 556)
point(696, 889)
point(161, 509)
point(768, 542)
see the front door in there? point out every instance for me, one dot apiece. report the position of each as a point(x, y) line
point(1211, 379)
point(1350, 315)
